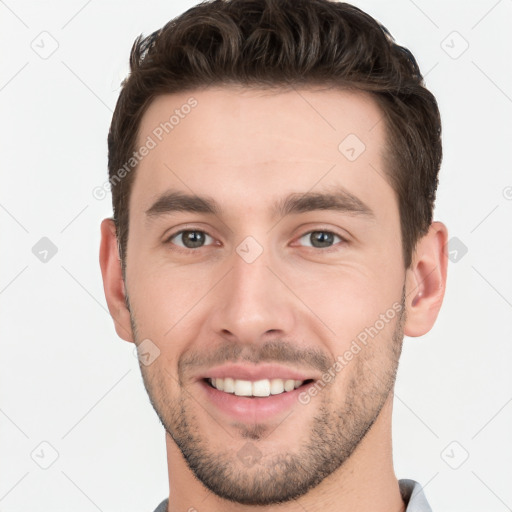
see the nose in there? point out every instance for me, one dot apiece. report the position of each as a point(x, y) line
point(253, 303)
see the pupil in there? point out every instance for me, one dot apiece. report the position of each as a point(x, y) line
point(321, 239)
point(193, 239)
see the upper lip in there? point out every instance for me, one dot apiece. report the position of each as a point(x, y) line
point(255, 372)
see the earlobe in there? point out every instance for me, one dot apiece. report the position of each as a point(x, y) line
point(426, 281)
point(113, 283)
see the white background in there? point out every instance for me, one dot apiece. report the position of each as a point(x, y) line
point(67, 380)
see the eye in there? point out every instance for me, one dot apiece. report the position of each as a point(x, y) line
point(320, 239)
point(190, 239)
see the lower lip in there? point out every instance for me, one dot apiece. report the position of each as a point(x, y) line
point(255, 409)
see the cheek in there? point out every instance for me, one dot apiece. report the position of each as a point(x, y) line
point(352, 300)
point(163, 299)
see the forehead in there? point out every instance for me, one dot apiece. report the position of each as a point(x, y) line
point(256, 143)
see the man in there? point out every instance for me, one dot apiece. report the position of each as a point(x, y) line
point(273, 166)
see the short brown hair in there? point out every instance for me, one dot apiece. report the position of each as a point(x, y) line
point(287, 43)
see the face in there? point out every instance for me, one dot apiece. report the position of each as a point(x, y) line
point(264, 252)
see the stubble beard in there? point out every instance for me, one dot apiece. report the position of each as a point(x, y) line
point(334, 433)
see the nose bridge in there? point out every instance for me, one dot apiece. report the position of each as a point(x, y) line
point(252, 301)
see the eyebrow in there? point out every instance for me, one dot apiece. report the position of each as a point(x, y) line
point(338, 199)
point(179, 202)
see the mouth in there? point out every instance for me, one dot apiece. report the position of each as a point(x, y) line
point(255, 389)
point(256, 401)
point(254, 393)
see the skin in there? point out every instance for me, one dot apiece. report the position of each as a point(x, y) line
point(297, 304)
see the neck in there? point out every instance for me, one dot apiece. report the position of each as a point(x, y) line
point(365, 482)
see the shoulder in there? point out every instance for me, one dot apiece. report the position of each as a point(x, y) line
point(413, 496)
point(163, 506)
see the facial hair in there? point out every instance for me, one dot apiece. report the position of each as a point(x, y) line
point(334, 432)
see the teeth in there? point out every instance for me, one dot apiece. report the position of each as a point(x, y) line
point(264, 387)
point(276, 386)
point(261, 388)
point(289, 385)
point(229, 385)
point(243, 388)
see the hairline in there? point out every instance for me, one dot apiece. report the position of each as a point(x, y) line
point(388, 153)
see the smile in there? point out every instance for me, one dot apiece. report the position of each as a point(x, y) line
point(259, 388)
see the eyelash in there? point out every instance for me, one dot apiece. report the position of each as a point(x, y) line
point(187, 250)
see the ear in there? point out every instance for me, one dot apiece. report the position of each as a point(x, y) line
point(113, 283)
point(426, 281)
